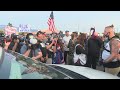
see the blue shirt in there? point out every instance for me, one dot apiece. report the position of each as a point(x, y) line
point(33, 52)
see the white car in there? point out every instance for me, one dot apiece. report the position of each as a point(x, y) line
point(83, 72)
point(15, 66)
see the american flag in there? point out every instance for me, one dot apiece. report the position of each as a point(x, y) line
point(51, 22)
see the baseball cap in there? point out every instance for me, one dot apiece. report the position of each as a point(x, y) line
point(40, 32)
point(66, 31)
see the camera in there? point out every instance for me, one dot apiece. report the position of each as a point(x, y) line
point(22, 39)
point(15, 37)
point(8, 39)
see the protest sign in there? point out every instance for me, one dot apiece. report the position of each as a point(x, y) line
point(9, 30)
point(24, 28)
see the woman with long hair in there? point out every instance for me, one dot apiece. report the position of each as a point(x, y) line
point(80, 49)
point(71, 46)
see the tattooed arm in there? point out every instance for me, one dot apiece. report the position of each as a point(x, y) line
point(114, 50)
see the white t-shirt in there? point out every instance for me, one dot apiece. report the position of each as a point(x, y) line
point(66, 40)
point(106, 54)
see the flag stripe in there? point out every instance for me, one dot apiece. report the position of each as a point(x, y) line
point(51, 22)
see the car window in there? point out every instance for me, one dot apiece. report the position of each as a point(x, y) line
point(36, 70)
point(5, 66)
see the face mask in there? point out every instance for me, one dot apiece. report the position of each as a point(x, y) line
point(33, 41)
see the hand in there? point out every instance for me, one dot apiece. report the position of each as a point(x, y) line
point(105, 61)
point(33, 58)
point(16, 41)
point(42, 59)
point(6, 45)
point(54, 42)
point(46, 57)
point(36, 61)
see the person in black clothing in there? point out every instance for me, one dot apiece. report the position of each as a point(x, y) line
point(43, 46)
point(40, 37)
point(14, 45)
point(94, 46)
point(80, 47)
point(49, 51)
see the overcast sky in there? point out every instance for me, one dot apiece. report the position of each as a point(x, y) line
point(80, 21)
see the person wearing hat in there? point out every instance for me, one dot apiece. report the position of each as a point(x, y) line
point(14, 44)
point(41, 37)
point(66, 40)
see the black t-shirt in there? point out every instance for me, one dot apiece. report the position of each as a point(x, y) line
point(48, 51)
point(94, 46)
point(10, 47)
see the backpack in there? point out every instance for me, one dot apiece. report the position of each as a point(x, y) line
point(81, 57)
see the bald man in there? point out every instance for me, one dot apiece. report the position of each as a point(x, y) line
point(110, 52)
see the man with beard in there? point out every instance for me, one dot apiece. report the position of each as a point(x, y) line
point(111, 51)
point(42, 45)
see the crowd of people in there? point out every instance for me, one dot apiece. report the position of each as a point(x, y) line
point(77, 49)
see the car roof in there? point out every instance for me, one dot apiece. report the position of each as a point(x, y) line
point(88, 72)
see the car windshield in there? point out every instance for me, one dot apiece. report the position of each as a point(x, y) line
point(30, 69)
